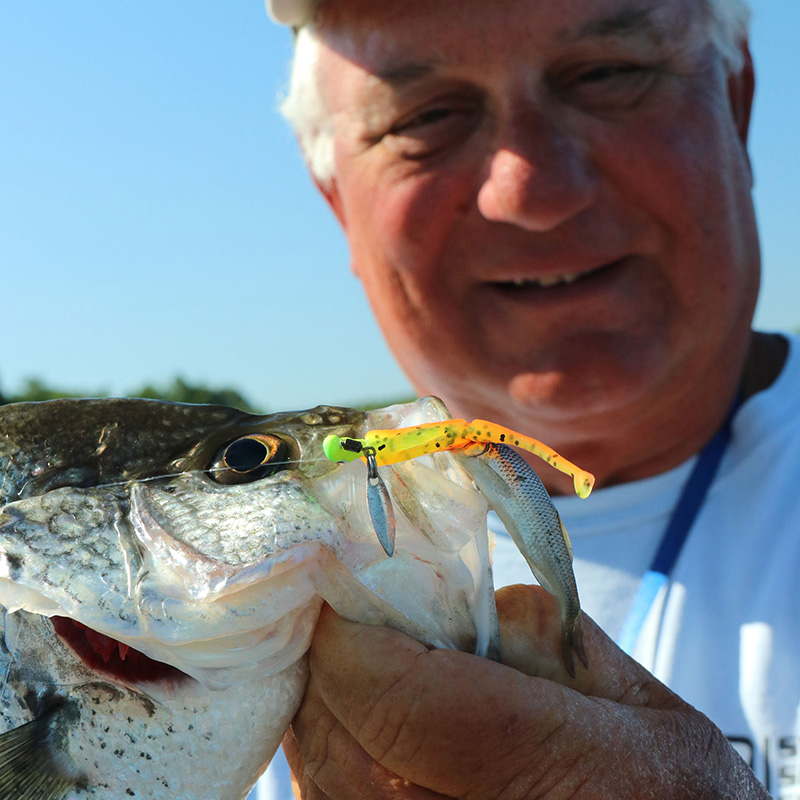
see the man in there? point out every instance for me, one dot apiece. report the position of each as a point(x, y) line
point(548, 204)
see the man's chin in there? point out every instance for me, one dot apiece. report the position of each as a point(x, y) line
point(564, 396)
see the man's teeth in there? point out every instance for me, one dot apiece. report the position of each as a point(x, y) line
point(547, 280)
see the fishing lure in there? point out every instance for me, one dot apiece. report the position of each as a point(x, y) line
point(402, 444)
point(379, 447)
point(512, 487)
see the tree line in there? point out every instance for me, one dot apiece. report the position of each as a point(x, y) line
point(178, 390)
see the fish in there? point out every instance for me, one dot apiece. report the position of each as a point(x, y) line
point(162, 568)
point(519, 498)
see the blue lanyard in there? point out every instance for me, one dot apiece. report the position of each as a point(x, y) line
point(686, 511)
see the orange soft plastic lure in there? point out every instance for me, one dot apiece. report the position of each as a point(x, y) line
point(401, 444)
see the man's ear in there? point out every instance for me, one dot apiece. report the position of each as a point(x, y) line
point(741, 88)
point(330, 191)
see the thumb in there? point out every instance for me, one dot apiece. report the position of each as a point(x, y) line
point(530, 635)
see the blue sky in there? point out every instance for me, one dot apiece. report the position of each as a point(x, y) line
point(156, 219)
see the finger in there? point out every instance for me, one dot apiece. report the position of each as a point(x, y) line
point(330, 765)
point(530, 636)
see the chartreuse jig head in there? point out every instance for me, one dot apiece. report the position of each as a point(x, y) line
point(401, 444)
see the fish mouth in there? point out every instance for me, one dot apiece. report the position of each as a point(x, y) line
point(110, 657)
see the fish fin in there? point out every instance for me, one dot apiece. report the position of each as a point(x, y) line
point(572, 642)
point(27, 769)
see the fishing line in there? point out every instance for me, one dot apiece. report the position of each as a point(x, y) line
point(209, 471)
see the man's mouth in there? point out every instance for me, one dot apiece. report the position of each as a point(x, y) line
point(103, 654)
point(554, 280)
point(547, 281)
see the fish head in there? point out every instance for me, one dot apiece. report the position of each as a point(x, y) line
point(162, 567)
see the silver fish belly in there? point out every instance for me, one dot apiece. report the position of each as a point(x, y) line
point(162, 568)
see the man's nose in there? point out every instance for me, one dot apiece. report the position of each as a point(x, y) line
point(538, 176)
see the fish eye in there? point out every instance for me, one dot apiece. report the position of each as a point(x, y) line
point(250, 458)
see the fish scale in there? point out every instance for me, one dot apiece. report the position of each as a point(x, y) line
point(209, 527)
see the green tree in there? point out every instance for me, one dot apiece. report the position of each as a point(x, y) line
point(37, 389)
point(178, 391)
point(181, 391)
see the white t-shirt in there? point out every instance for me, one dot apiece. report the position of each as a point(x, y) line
point(725, 632)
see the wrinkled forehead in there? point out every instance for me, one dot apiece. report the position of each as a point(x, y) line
point(375, 34)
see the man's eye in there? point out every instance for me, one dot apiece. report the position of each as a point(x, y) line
point(609, 72)
point(431, 130)
point(607, 87)
point(428, 117)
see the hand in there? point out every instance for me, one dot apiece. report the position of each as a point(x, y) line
point(386, 717)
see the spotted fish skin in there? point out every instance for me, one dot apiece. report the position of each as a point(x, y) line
point(111, 522)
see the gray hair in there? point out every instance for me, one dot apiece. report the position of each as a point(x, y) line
point(304, 106)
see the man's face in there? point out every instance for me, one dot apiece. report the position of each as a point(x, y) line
point(547, 201)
